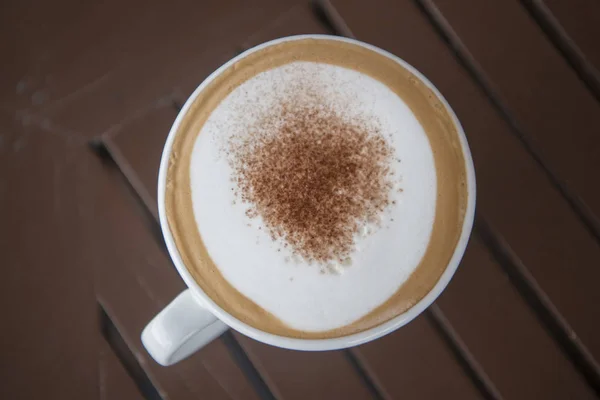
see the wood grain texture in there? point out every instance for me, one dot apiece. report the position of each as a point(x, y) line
point(123, 55)
point(558, 115)
point(49, 335)
point(503, 333)
point(415, 363)
point(513, 193)
point(299, 375)
point(136, 147)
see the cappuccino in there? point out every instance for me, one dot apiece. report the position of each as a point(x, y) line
point(316, 189)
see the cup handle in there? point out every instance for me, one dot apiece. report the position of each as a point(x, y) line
point(180, 329)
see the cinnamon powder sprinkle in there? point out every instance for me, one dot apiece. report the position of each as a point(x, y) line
point(314, 177)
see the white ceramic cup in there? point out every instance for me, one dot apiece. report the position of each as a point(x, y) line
point(193, 319)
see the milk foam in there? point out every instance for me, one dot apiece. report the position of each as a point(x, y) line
point(297, 293)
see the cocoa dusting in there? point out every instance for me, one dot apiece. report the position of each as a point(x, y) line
point(314, 177)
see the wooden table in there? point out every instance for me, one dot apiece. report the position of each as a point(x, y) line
point(87, 96)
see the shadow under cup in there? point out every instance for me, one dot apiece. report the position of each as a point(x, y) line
point(454, 202)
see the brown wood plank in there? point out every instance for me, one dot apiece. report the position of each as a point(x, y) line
point(124, 56)
point(581, 21)
point(137, 148)
point(415, 363)
point(574, 27)
point(221, 369)
point(134, 280)
point(142, 142)
point(27, 31)
point(114, 382)
point(294, 374)
point(298, 20)
point(514, 194)
point(49, 335)
point(557, 113)
point(489, 314)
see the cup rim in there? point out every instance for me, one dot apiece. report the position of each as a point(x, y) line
point(327, 343)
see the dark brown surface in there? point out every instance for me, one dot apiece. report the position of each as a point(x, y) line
point(415, 362)
point(573, 26)
point(557, 113)
point(113, 380)
point(518, 320)
point(561, 118)
point(305, 375)
point(91, 81)
point(298, 20)
point(136, 147)
point(581, 21)
point(504, 335)
point(49, 314)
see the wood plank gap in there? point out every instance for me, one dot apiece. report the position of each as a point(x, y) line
point(544, 309)
point(323, 18)
point(332, 18)
point(149, 214)
point(245, 364)
point(130, 175)
point(464, 357)
point(464, 57)
point(126, 357)
point(366, 376)
point(557, 35)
